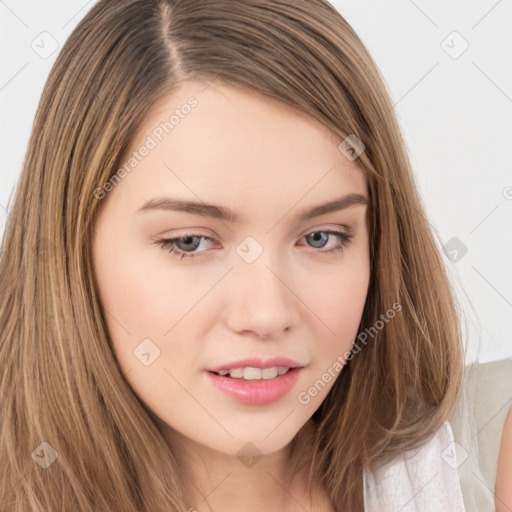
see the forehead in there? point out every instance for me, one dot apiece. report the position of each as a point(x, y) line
point(219, 141)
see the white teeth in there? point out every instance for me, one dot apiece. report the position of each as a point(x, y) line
point(237, 373)
point(250, 373)
point(269, 373)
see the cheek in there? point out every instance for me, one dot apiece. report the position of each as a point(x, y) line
point(341, 295)
point(345, 304)
point(137, 297)
point(339, 303)
point(145, 301)
point(129, 296)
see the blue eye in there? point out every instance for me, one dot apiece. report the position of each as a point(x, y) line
point(187, 240)
point(192, 242)
point(343, 239)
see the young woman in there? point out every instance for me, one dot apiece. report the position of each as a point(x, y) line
point(220, 290)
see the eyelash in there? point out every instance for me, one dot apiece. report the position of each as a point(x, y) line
point(169, 243)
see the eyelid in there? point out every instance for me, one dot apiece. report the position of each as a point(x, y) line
point(326, 227)
point(183, 232)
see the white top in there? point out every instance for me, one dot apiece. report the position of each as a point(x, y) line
point(422, 480)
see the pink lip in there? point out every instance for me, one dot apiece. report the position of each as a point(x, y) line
point(256, 392)
point(257, 362)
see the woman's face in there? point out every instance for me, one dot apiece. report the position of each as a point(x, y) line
point(279, 281)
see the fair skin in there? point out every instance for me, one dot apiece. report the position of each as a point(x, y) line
point(503, 488)
point(267, 163)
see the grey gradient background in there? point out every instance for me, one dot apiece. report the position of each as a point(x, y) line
point(454, 105)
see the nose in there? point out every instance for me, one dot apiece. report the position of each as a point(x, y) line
point(261, 299)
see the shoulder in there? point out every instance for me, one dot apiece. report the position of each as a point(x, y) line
point(504, 474)
point(422, 479)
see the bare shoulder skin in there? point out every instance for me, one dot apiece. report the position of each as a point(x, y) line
point(503, 489)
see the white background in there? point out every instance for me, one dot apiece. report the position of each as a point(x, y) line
point(455, 114)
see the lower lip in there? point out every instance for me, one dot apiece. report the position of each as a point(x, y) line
point(256, 392)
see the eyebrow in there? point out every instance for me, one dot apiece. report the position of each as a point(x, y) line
point(224, 214)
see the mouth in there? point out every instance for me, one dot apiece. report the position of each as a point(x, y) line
point(250, 366)
point(253, 373)
point(255, 386)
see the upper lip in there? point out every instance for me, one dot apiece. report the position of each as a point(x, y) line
point(257, 362)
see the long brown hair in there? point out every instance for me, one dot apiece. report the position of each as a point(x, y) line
point(60, 383)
